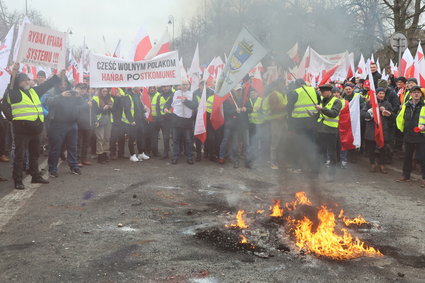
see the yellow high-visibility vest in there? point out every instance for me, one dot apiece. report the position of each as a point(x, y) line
point(400, 118)
point(98, 116)
point(328, 121)
point(210, 102)
point(28, 109)
point(283, 100)
point(154, 103)
point(305, 102)
point(124, 117)
point(256, 116)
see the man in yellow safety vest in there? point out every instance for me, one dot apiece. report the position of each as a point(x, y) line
point(328, 120)
point(302, 123)
point(28, 118)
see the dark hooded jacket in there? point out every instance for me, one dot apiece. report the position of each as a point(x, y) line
point(370, 123)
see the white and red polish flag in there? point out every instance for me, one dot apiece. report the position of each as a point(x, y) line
point(379, 133)
point(361, 68)
point(183, 71)
point(146, 100)
point(163, 46)
point(418, 57)
point(5, 49)
point(327, 74)
point(200, 130)
point(141, 46)
point(293, 53)
point(257, 79)
point(195, 70)
point(117, 52)
point(349, 126)
point(394, 69)
point(420, 69)
point(407, 68)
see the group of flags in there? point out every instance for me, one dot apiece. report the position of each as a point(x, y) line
point(312, 67)
point(320, 69)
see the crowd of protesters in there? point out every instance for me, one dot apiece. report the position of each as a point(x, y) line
point(291, 126)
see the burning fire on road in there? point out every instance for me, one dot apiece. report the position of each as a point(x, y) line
point(315, 230)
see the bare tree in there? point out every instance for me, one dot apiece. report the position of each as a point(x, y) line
point(405, 15)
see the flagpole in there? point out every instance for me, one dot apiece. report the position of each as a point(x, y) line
point(303, 88)
point(234, 101)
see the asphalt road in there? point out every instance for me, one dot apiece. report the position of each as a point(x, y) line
point(68, 231)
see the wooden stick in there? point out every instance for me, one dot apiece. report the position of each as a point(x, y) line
point(234, 101)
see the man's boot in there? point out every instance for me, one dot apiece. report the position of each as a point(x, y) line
point(19, 185)
point(39, 180)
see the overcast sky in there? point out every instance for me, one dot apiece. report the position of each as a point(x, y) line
point(115, 19)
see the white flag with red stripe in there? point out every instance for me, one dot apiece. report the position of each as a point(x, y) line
point(379, 133)
point(361, 68)
point(5, 49)
point(141, 46)
point(195, 70)
point(407, 68)
point(257, 79)
point(394, 69)
point(293, 53)
point(349, 125)
point(418, 57)
point(163, 46)
point(117, 52)
point(200, 131)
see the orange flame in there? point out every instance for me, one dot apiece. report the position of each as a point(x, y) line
point(243, 239)
point(359, 220)
point(276, 210)
point(325, 242)
point(240, 223)
point(300, 199)
point(260, 211)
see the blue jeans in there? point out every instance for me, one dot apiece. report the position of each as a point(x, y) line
point(224, 142)
point(178, 135)
point(343, 155)
point(59, 134)
point(240, 136)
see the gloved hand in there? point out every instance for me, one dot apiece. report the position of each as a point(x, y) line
point(370, 111)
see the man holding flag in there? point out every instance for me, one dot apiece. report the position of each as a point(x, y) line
point(411, 122)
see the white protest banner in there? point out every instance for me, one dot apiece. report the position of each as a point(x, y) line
point(41, 46)
point(5, 49)
point(115, 72)
point(246, 53)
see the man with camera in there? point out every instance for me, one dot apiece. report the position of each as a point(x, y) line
point(64, 113)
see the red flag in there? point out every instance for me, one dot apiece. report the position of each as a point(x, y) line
point(146, 100)
point(217, 115)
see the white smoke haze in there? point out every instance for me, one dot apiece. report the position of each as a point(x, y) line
point(328, 26)
point(113, 19)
